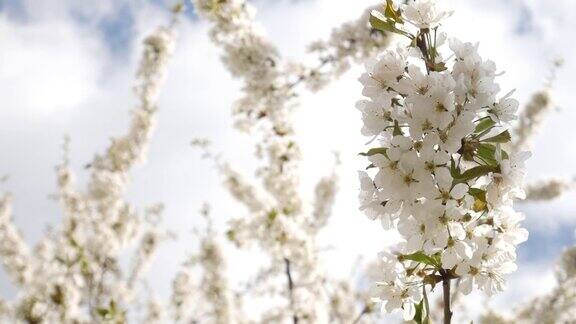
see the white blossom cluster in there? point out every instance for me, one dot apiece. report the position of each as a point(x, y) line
point(13, 250)
point(270, 81)
point(530, 121)
point(557, 306)
point(353, 42)
point(280, 222)
point(531, 118)
point(201, 292)
point(248, 55)
point(74, 275)
point(324, 193)
point(442, 177)
point(548, 189)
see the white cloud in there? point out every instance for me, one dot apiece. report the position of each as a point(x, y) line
point(46, 67)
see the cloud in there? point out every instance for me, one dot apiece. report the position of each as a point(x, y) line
point(46, 67)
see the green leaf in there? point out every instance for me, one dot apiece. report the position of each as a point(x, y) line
point(479, 195)
point(476, 172)
point(421, 258)
point(439, 67)
point(380, 22)
point(488, 153)
point(370, 166)
point(231, 235)
point(454, 172)
point(103, 312)
point(437, 257)
point(395, 15)
point(476, 191)
point(112, 306)
point(272, 215)
point(503, 137)
point(84, 266)
point(397, 130)
point(419, 315)
point(484, 124)
point(376, 150)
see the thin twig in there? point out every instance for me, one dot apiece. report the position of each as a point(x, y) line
point(290, 289)
point(365, 311)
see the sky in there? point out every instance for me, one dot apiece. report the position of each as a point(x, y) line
point(66, 67)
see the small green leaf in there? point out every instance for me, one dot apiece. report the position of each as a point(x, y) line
point(488, 153)
point(397, 130)
point(272, 215)
point(421, 257)
point(103, 312)
point(112, 306)
point(454, 172)
point(439, 67)
point(376, 150)
point(476, 191)
point(231, 235)
point(437, 257)
point(419, 315)
point(479, 195)
point(503, 137)
point(379, 22)
point(84, 266)
point(484, 124)
point(370, 166)
point(385, 26)
point(476, 172)
point(395, 15)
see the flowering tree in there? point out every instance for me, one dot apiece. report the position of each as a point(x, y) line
point(444, 178)
point(74, 275)
point(244, 47)
point(279, 222)
point(447, 168)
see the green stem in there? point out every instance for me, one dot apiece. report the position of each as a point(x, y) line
point(426, 304)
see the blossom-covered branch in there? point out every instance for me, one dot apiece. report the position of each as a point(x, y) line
point(280, 223)
point(210, 299)
point(442, 177)
point(74, 274)
point(530, 121)
point(557, 306)
point(14, 252)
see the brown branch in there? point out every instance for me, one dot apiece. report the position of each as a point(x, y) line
point(290, 289)
point(446, 290)
point(365, 311)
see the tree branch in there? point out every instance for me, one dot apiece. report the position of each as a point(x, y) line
point(446, 289)
point(290, 289)
point(365, 311)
